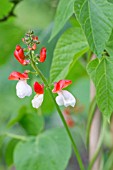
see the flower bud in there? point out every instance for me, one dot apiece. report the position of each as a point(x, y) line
point(42, 55)
point(19, 55)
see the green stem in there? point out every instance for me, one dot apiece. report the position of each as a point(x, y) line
point(23, 138)
point(90, 117)
point(99, 144)
point(61, 116)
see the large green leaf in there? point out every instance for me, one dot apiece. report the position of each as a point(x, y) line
point(5, 7)
point(64, 11)
point(70, 46)
point(109, 45)
point(9, 39)
point(91, 68)
point(34, 13)
point(32, 123)
point(49, 151)
point(104, 86)
point(96, 18)
point(78, 73)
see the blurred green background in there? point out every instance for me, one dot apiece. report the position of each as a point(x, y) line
point(37, 15)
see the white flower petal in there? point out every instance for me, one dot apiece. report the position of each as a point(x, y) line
point(37, 101)
point(59, 100)
point(23, 89)
point(65, 98)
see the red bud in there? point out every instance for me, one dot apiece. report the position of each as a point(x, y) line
point(42, 55)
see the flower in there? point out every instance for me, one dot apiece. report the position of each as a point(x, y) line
point(42, 56)
point(38, 98)
point(67, 116)
point(34, 46)
point(35, 38)
point(19, 55)
point(22, 88)
point(64, 97)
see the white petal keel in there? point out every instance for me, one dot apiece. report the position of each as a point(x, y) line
point(23, 89)
point(37, 101)
point(65, 98)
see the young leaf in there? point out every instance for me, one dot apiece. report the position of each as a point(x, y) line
point(49, 151)
point(71, 45)
point(64, 11)
point(91, 68)
point(104, 86)
point(96, 18)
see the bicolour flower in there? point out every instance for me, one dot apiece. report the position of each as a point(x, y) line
point(38, 98)
point(19, 55)
point(22, 88)
point(64, 97)
point(42, 56)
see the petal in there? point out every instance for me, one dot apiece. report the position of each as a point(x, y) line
point(65, 98)
point(38, 88)
point(60, 85)
point(37, 101)
point(18, 47)
point(19, 55)
point(59, 100)
point(42, 55)
point(17, 76)
point(23, 89)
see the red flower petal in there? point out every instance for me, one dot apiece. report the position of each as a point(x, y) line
point(42, 55)
point(60, 85)
point(18, 47)
point(19, 55)
point(38, 88)
point(18, 76)
point(70, 122)
point(35, 38)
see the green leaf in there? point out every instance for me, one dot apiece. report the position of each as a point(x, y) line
point(9, 149)
point(64, 11)
point(96, 18)
point(110, 1)
point(5, 7)
point(70, 46)
point(32, 123)
point(109, 45)
point(91, 68)
point(48, 104)
point(20, 115)
point(49, 151)
point(104, 86)
point(78, 73)
point(9, 39)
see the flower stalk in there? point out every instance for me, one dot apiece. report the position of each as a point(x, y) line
point(60, 114)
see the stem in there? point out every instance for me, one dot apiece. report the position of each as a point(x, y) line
point(61, 116)
point(99, 145)
point(16, 136)
point(109, 162)
point(90, 117)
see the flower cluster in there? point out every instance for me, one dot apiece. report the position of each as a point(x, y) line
point(27, 56)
